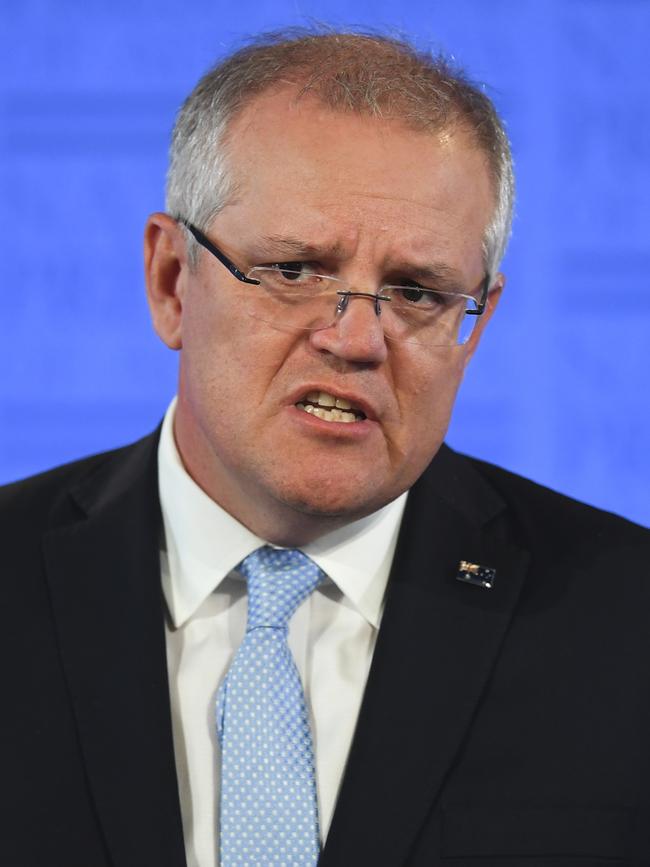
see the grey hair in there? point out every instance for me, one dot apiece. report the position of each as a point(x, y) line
point(375, 75)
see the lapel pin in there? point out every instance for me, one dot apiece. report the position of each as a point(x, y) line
point(474, 573)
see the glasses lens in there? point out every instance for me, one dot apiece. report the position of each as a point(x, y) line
point(295, 299)
point(428, 317)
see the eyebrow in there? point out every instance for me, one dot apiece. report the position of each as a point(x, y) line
point(286, 245)
point(443, 276)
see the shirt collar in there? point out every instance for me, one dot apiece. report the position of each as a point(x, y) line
point(204, 543)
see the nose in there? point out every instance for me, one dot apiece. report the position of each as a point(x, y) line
point(357, 334)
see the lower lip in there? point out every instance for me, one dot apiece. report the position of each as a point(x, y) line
point(341, 429)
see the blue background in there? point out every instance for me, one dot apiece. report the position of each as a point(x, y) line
point(559, 389)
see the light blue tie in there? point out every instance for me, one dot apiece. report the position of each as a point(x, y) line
point(269, 813)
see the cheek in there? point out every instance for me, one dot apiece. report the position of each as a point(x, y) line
point(427, 396)
point(430, 371)
point(229, 359)
point(208, 368)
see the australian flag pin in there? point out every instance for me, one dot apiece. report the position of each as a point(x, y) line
point(474, 573)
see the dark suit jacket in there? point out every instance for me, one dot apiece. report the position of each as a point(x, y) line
point(508, 726)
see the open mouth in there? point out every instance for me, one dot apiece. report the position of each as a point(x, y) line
point(330, 408)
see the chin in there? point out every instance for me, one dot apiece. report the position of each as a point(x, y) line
point(350, 504)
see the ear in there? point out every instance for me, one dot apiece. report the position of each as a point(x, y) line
point(166, 272)
point(494, 294)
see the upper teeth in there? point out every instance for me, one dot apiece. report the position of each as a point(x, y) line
point(329, 407)
point(323, 398)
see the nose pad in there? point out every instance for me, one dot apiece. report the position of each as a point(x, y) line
point(344, 300)
point(357, 337)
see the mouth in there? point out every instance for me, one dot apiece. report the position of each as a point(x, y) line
point(329, 407)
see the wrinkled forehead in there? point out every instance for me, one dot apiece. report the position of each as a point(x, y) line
point(296, 133)
point(302, 168)
point(296, 96)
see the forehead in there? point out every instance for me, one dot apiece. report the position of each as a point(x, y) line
point(300, 166)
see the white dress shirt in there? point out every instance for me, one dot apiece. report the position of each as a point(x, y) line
point(331, 635)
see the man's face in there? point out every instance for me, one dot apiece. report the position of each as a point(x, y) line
point(371, 201)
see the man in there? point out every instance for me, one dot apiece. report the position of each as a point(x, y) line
point(473, 649)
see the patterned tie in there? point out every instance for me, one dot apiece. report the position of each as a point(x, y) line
point(269, 814)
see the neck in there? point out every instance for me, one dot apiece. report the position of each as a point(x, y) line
point(289, 524)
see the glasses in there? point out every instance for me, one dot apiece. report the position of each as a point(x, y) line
point(290, 296)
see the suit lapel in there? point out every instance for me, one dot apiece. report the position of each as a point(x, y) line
point(437, 645)
point(102, 564)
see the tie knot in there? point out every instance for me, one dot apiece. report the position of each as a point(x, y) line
point(278, 581)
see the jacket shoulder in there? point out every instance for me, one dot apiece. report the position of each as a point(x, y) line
point(28, 504)
point(556, 520)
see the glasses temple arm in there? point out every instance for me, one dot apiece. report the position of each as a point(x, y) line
point(204, 241)
point(480, 309)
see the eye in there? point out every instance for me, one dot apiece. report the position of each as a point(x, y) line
point(293, 270)
point(417, 295)
point(413, 293)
